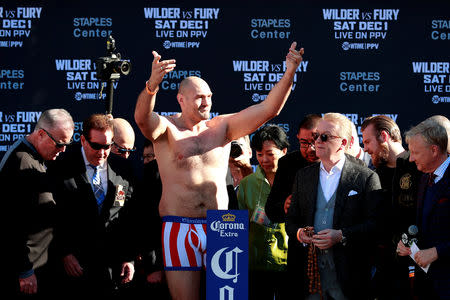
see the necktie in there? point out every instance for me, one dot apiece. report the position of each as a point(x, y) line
point(431, 177)
point(97, 187)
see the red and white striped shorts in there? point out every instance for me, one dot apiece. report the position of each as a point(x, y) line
point(184, 243)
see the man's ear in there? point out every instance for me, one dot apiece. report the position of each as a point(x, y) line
point(180, 98)
point(384, 136)
point(435, 150)
point(344, 143)
point(41, 132)
point(352, 141)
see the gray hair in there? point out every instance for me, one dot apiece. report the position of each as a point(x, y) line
point(343, 123)
point(54, 117)
point(432, 131)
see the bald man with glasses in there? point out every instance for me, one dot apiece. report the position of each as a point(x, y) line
point(124, 138)
point(92, 195)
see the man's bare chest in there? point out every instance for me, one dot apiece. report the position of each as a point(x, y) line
point(205, 149)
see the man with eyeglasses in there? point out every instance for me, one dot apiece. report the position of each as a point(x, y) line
point(92, 194)
point(29, 204)
point(123, 138)
point(336, 197)
point(280, 194)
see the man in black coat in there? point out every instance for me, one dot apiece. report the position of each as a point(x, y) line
point(336, 197)
point(280, 193)
point(30, 206)
point(91, 195)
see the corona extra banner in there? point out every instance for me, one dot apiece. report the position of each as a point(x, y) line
point(227, 255)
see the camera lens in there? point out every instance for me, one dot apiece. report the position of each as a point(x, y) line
point(125, 67)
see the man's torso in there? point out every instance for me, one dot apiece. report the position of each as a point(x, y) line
point(193, 167)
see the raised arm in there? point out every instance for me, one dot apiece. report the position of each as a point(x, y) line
point(249, 119)
point(148, 121)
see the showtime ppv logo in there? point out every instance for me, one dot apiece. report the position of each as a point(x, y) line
point(436, 99)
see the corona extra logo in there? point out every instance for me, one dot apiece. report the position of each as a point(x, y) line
point(228, 217)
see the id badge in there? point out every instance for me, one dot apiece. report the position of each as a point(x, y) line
point(119, 198)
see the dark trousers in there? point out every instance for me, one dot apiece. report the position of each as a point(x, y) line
point(267, 285)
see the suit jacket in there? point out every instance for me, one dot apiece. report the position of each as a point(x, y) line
point(288, 166)
point(29, 214)
point(434, 232)
point(96, 240)
point(355, 215)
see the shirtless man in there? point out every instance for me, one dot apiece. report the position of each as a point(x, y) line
point(193, 156)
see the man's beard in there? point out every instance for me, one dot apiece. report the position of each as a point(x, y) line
point(381, 159)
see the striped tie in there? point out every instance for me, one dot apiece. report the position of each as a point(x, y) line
point(97, 187)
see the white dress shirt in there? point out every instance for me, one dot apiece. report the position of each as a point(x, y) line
point(330, 181)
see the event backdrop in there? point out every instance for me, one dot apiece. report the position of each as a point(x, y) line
point(361, 58)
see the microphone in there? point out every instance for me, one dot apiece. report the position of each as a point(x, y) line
point(410, 238)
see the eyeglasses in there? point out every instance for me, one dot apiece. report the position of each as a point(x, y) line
point(324, 136)
point(58, 144)
point(97, 146)
point(305, 144)
point(123, 150)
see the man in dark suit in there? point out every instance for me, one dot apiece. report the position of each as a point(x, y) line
point(280, 195)
point(91, 194)
point(428, 144)
point(336, 197)
point(29, 205)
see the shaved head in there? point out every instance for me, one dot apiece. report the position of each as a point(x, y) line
point(123, 133)
point(189, 82)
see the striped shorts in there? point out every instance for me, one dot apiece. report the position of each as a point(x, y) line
point(184, 243)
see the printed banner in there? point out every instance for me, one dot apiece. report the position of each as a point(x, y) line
point(227, 255)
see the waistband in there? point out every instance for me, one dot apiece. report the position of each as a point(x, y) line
point(185, 220)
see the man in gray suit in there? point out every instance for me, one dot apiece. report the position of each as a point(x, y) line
point(336, 197)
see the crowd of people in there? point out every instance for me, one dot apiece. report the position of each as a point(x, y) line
point(332, 220)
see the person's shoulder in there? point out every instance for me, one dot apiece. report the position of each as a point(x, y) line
point(403, 165)
point(25, 157)
point(122, 166)
point(66, 160)
point(358, 166)
point(308, 169)
point(402, 159)
point(293, 159)
point(247, 179)
point(291, 156)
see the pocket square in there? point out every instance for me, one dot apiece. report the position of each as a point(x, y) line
point(352, 192)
